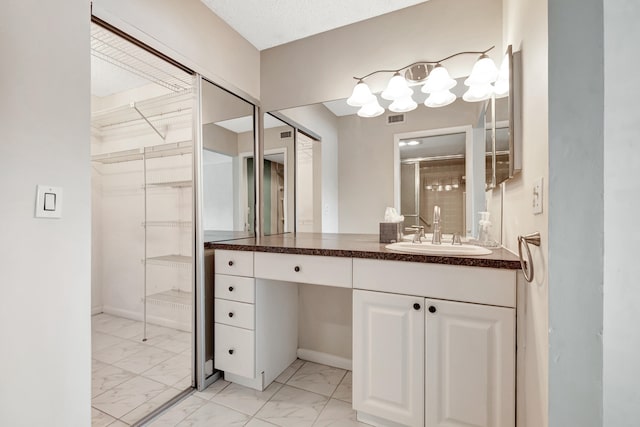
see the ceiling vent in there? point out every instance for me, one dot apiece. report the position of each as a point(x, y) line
point(394, 119)
point(286, 134)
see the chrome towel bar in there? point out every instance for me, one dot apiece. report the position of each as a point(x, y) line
point(527, 268)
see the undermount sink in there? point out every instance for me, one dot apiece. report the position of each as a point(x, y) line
point(443, 249)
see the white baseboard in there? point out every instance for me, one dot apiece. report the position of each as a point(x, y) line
point(256, 383)
point(155, 320)
point(325, 359)
point(96, 310)
point(127, 314)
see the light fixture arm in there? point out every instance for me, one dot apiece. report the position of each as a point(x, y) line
point(425, 63)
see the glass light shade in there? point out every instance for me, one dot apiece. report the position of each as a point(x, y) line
point(372, 109)
point(501, 88)
point(403, 105)
point(478, 93)
point(440, 99)
point(438, 80)
point(361, 95)
point(484, 71)
point(397, 88)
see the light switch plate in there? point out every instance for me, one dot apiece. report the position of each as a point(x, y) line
point(537, 197)
point(48, 202)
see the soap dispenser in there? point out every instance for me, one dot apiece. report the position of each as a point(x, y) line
point(484, 227)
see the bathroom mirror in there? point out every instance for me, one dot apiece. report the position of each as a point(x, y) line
point(357, 162)
point(433, 171)
point(355, 179)
point(504, 116)
point(227, 165)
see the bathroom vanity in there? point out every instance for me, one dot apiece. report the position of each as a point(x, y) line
point(433, 336)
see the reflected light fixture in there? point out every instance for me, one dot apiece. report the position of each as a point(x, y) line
point(361, 95)
point(371, 109)
point(435, 81)
point(501, 86)
point(403, 104)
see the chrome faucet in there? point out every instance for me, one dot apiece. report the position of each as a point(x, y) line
point(417, 238)
point(437, 233)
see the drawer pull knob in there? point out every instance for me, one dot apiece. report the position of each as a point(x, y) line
point(296, 269)
point(231, 351)
point(231, 314)
point(416, 306)
point(230, 288)
point(432, 309)
point(230, 263)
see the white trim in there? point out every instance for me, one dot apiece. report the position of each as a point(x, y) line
point(283, 150)
point(375, 421)
point(96, 310)
point(325, 359)
point(242, 156)
point(243, 200)
point(256, 383)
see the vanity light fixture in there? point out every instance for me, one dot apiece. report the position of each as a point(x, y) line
point(435, 81)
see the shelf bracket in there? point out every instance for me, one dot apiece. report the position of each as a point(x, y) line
point(133, 105)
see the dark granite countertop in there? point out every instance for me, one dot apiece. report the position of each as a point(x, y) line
point(357, 246)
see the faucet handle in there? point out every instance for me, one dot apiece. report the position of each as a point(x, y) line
point(457, 240)
point(417, 238)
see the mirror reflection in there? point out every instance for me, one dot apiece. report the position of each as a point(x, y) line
point(227, 167)
point(362, 165)
point(279, 176)
point(432, 173)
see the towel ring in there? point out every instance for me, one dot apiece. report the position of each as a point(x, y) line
point(527, 268)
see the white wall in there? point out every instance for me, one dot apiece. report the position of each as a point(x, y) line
point(45, 263)
point(525, 27)
point(575, 210)
point(190, 33)
point(320, 68)
point(366, 166)
point(621, 205)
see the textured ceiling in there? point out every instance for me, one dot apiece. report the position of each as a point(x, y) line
point(269, 23)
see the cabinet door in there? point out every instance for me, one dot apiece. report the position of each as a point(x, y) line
point(388, 356)
point(470, 365)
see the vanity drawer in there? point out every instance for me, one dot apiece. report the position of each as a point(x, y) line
point(234, 350)
point(234, 313)
point(237, 263)
point(235, 288)
point(316, 270)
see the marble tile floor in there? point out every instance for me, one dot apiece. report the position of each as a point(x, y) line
point(131, 378)
point(305, 394)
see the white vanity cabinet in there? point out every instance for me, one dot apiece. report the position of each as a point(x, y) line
point(433, 344)
point(469, 365)
point(388, 356)
point(255, 321)
point(423, 361)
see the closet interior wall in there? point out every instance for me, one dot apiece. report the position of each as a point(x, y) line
point(142, 170)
